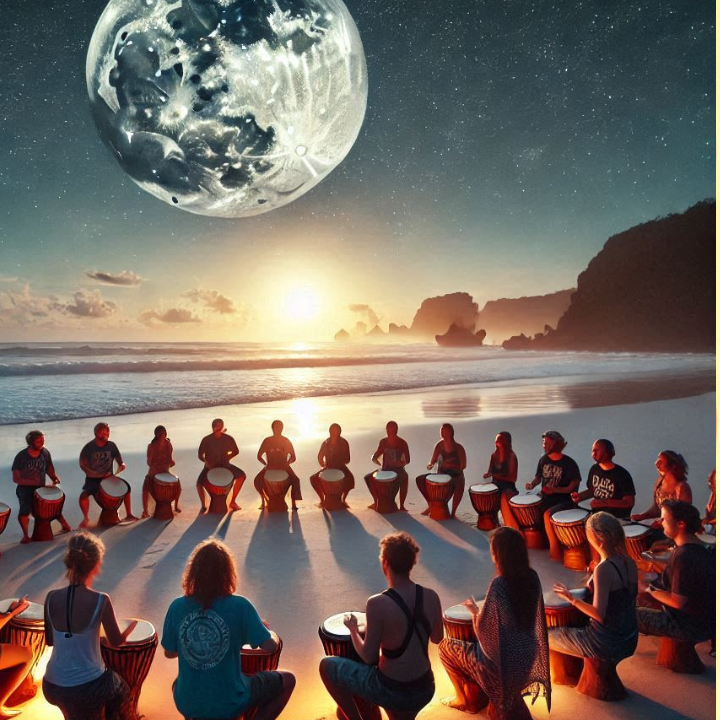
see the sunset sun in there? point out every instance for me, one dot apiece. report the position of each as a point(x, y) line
point(302, 303)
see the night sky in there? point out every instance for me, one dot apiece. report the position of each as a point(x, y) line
point(504, 142)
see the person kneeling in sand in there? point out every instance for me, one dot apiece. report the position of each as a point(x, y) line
point(395, 671)
point(216, 451)
point(205, 630)
point(279, 454)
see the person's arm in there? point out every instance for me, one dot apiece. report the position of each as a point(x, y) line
point(435, 455)
point(261, 452)
point(346, 453)
point(378, 453)
point(626, 501)
point(684, 492)
point(577, 497)
point(322, 456)
point(149, 456)
point(85, 464)
point(15, 608)
point(118, 459)
point(368, 648)
point(291, 453)
point(596, 610)
point(114, 635)
point(202, 451)
point(234, 450)
point(433, 612)
point(406, 452)
point(50, 469)
point(463, 457)
point(171, 449)
point(538, 476)
point(667, 597)
point(169, 635)
point(652, 512)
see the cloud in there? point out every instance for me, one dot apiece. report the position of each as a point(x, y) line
point(366, 312)
point(8, 279)
point(125, 278)
point(24, 307)
point(88, 304)
point(173, 316)
point(212, 300)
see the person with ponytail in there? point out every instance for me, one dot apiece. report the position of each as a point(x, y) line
point(76, 679)
point(511, 657)
point(159, 460)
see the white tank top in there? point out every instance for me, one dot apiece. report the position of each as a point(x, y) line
point(76, 659)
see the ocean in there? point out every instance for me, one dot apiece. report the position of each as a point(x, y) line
point(44, 382)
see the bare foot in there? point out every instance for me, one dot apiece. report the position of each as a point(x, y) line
point(426, 511)
point(177, 509)
point(320, 505)
point(203, 509)
point(456, 704)
point(402, 508)
point(130, 518)
point(234, 506)
point(262, 507)
point(145, 514)
point(85, 523)
point(27, 539)
point(65, 529)
point(345, 505)
point(371, 506)
point(294, 508)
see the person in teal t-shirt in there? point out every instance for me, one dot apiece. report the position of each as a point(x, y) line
point(205, 629)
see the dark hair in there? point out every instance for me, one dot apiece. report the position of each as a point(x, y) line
point(559, 442)
point(216, 421)
point(157, 432)
point(276, 422)
point(210, 573)
point(32, 436)
point(511, 558)
point(84, 551)
point(393, 423)
point(101, 426)
point(507, 437)
point(676, 464)
point(449, 427)
point(400, 552)
point(684, 512)
point(609, 447)
point(335, 425)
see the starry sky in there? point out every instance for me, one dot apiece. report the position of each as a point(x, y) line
point(503, 143)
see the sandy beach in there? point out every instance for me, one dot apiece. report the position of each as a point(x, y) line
point(299, 569)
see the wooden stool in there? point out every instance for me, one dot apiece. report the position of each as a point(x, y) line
point(565, 669)
point(679, 656)
point(599, 680)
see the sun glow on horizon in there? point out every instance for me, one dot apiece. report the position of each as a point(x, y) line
point(302, 303)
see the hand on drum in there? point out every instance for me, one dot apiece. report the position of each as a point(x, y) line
point(131, 626)
point(430, 466)
point(350, 622)
point(471, 605)
point(575, 497)
point(547, 490)
point(637, 516)
point(487, 475)
point(563, 592)
point(17, 606)
point(56, 481)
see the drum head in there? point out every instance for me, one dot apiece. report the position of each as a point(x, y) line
point(332, 475)
point(526, 499)
point(50, 493)
point(33, 613)
point(706, 538)
point(276, 475)
point(458, 612)
point(586, 504)
point(335, 627)
point(219, 476)
point(168, 478)
point(566, 517)
point(247, 650)
point(385, 475)
point(141, 633)
point(635, 531)
point(114, 487)
point(4, 508)
point(553, 600)
point(438, 478)
point(484, 488)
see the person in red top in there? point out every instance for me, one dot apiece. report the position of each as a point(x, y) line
point(395, 455)
point(334, 454)
point(159, 460)
point(451, 459)
point(279, 454)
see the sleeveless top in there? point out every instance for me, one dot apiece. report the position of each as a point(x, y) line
point(416, 620)
point(449, 461)
point(620, 617)
point(76, 657)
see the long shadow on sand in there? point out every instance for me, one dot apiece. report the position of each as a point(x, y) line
point(445, 559)
point(354, 548)
point(277, 558)
point(36, 581)
point(168, 569)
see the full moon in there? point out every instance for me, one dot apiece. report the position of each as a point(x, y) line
point(227, 108)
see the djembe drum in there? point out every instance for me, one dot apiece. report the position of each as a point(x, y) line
point(276, 483)
point(27, 630)
point(4, 516)
point(569, 527)
point(638, 539)
point(110, 496)
point(439, 490)
point(385, 486)
point(485, 498)
point(458, 623)
point(47, 506)
point(132, 660)
point(528, 511)
point(332, 484)
point(165, 490)
point(336, 642)
point(255, 660)
point(218, 483)
point(564, 669)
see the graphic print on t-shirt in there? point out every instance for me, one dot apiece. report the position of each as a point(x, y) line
point(552, 474)
point(603, 487)
point(32, 470)
point(204, 639)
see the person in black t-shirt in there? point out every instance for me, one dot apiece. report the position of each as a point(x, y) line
point(609, 485)
point(560, 476)
point(29, 469)
point(682, 604)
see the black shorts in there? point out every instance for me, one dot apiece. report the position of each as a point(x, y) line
point(91, 486)
point(25, 496)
